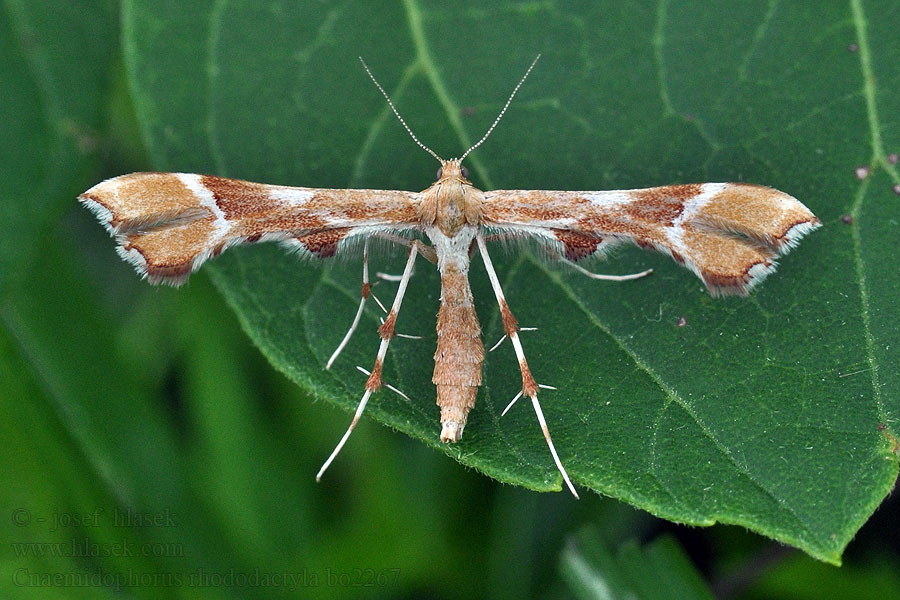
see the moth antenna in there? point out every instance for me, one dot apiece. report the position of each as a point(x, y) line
point(503, 110)
point(393, 108)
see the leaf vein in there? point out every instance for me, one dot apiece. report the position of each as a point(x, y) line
point(878, 158)
point(323, 33)
point(864, 302)
point(658, 41)
point(378, 124)
point(761, 30)
point(672, 395)
point(653, 455)
point(212, 73)
point(417, 30)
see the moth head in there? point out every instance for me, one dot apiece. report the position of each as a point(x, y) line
point(451, 170)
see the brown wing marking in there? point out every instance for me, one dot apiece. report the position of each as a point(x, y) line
point(168, 224)
point(729, 234)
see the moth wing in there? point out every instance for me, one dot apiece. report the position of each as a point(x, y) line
point(168, 224)
point(729, 234)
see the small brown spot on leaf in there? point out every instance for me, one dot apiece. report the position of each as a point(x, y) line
point(863, 171)
point(847, 219)
point(892, 158)
point(853, 48)
point(681, 322)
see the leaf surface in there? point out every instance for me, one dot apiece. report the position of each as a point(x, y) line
point(659, 570)
point(52, 86)
point(776, 412)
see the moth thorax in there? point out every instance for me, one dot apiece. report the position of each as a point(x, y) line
point(457, 204)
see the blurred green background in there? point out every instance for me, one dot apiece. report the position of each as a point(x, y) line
point(148, 448)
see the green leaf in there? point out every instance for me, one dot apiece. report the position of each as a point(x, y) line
point(799, 578)
point(656, 571)
point(52, 86)
point(774, 412)
point(44, 475)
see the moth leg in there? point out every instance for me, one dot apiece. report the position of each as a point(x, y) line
point(373, 383)
point(601, 276)
point(494, 237)
point(366, 291)
point(387, 385)
point(424, 249)
point(405, 335)
point(529, 385)
point(503, 338)
point(427, 252)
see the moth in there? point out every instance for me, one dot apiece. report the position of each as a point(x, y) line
point(728, 234)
